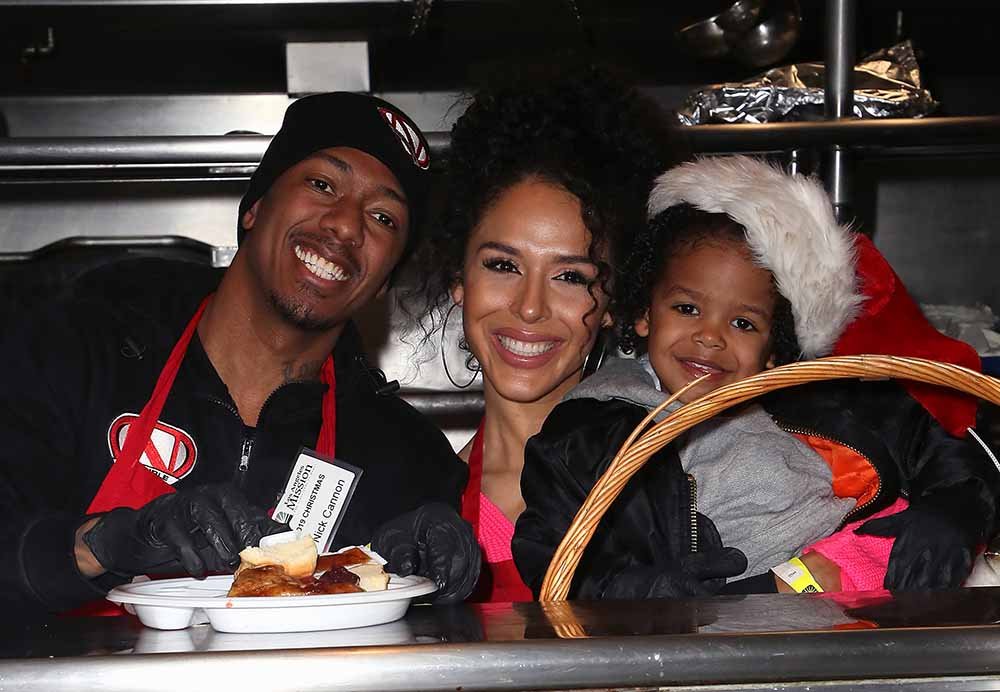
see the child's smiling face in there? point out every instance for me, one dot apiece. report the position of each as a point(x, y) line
point(710, 314)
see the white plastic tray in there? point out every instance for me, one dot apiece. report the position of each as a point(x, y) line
point(172, 604)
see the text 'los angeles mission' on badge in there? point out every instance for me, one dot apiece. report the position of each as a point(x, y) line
point(316, 496)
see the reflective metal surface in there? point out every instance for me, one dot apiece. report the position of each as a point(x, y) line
point(887, 85)
point(947, 641)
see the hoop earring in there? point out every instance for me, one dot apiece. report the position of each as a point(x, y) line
point(462, 345)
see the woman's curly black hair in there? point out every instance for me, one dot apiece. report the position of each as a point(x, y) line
point(579, 128)
point(674, 230)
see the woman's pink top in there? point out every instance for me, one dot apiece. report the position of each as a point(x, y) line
point(863, 560)
point(495, 531)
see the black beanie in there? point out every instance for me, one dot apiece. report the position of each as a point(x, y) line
point(343, 119)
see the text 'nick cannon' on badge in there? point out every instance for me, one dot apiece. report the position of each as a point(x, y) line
point(316, 495)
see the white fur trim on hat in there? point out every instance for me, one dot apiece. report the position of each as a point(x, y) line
point(791, 231)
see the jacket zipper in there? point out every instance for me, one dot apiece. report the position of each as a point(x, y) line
point(693, 509)
point(858, 508)
point(246, 448)
point(245, 453)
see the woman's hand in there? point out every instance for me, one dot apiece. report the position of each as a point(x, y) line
point(435, 542)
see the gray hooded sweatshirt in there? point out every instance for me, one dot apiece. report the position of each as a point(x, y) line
point(769, 494)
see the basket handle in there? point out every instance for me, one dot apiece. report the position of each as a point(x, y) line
point(634, 455)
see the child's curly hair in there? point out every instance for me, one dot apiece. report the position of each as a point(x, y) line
point(675, 229)
point(579, 128)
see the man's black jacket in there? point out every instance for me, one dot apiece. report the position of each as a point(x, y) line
point(652, 522)
point(73, 373)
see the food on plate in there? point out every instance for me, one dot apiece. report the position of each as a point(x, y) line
point(371, 576)
point(288, 565)
point(297, 557)
point(272, 580)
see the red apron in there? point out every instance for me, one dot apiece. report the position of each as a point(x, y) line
point(128, 484)
point(499, 582)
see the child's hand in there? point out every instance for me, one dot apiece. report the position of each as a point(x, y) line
point(931, 550)
point(824, 571)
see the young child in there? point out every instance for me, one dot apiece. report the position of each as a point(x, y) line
point(743, 268)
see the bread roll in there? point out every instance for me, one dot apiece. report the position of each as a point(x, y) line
point(296, 556)
point(371, 576)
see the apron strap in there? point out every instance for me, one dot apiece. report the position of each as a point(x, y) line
point(127, 483)
point(470, 498)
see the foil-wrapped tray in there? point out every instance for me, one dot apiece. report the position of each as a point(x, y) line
point(886, 85)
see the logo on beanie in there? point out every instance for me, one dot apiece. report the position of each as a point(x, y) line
point(170, 452)
point(409, 138)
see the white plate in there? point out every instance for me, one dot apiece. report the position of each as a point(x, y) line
point(172, 604)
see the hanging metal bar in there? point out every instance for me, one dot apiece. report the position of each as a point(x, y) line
point(176, 158)
point(839, 96)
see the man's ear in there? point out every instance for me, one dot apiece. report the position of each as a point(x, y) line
point(642, 325)
point(250, 216)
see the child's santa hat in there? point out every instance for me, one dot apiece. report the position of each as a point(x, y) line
point(791, 231)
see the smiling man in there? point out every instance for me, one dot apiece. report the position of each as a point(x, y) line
point(152, 420)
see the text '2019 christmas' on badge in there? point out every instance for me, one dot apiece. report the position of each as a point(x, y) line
point(316, 496)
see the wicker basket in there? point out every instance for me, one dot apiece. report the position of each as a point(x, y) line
point(640, 446)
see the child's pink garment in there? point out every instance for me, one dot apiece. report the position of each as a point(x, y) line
point(863, 560)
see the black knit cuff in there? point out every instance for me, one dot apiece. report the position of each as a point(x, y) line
point(49, 566)
point(762, 583)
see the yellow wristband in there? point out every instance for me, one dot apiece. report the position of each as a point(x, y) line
point(797, 575)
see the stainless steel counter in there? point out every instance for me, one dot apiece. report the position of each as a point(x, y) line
point(945, 641)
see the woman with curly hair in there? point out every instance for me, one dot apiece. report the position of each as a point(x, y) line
point(548, 178)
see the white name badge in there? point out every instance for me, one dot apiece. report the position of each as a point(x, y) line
point(316, 496)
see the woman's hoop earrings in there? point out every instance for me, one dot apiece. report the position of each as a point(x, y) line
point(470, 362)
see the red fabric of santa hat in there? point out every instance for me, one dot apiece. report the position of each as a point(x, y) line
point(891, 323)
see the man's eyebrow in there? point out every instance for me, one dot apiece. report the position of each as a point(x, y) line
point(335, 161)
point(345, 167)
point(390, 192)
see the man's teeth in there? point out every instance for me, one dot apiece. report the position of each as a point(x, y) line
point(322, 268)
point(525, 348)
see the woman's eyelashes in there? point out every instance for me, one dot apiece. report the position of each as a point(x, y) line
point(571, 276)
point(504, 265)
point(501, 265)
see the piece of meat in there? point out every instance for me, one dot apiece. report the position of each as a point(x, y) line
point(272, 580)
point(354, 556)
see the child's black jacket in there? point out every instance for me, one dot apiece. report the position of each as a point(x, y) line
point(652, 522)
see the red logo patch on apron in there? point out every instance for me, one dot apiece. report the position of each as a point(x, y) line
point(409, 138)
point(170, 452)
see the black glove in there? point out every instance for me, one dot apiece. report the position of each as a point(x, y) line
point(435, 542)
point(695, 574)
point(933, 549)
point(195, 530)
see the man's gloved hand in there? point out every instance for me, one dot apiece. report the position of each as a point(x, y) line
point(435, 542)
point(197, 530)
point(695, 574)
point(933, 547)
